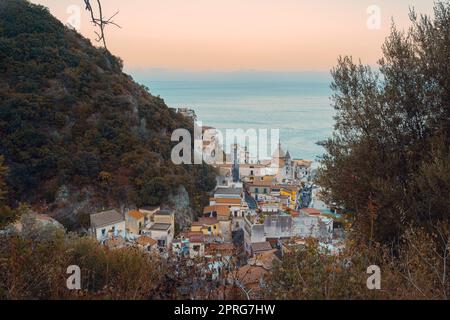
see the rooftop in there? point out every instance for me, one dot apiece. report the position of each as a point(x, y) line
point(195, 237)
point(249, 275)
point(261, 247)
point(231, 201)
point(160, 227)
point(311, 211)
point(229, 191)
point(135, 214)
point(144, 241)
point(105, 218)
point(220, 210)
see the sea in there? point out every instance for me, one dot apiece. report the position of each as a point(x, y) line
point(298, 104)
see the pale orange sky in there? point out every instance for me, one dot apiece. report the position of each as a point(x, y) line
point(276, 35)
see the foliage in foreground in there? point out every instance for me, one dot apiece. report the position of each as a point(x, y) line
point(418, 269)
point(33, 265)
point(388, 162)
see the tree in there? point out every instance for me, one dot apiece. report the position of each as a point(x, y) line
point(7, 215)
point(3, 171)
point(100, 21)
point(392, 126)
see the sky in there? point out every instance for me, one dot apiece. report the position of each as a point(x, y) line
point(236, 35)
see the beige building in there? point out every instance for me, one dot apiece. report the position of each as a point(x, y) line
point(135, 222)
point(147, 244)
point(165, 217)
point(149, 213)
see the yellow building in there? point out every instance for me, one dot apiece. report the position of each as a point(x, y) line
point(208, 226)
point(134, 221)
point(164, 217)
point(290, 192)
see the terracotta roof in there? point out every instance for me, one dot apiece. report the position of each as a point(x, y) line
point(220, 210)
point(193, 236)
point(265, 259)
point(196, 238)
point(311, 211)
point(250, 274)
point(188, 234)
point(136, 214)
point(208, 221)
point(144, 241)
point(231, 201)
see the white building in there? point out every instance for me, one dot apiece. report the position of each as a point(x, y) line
point(313, 226)
point(107, 224)
point(162, 233)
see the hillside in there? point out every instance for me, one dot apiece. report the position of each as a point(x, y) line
point(76, 132)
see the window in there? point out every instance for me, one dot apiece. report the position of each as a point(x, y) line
point(103, 232)
point(161, 243)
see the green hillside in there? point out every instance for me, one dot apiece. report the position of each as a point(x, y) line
point(72, 123)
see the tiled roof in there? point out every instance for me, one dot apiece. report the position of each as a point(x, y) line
point(105, 218)
point(250, 274)
point(144, 241)
point(220, 210)
point(135, 214)
point(311, 211)
point(208, 221)
point(193, 236)
point(231, 201)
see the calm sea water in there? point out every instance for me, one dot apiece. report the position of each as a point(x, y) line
point(298, 105)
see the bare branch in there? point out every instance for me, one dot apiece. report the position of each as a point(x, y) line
point(100, 21)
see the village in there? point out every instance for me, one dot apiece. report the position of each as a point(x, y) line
point(259, 211)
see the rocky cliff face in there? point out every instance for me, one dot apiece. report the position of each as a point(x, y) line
point(180, 203)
